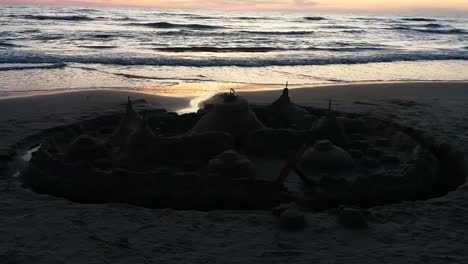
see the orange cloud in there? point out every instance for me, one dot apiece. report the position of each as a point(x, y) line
point(319, 5)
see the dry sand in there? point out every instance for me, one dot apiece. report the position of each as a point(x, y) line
point(43, 229)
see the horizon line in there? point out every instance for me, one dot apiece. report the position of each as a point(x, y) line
point(302, 10)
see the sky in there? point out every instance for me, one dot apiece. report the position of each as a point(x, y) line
point(318, 5)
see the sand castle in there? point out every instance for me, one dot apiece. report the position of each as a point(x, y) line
point(231, 114)
point(326, 156)
point(288, 114)
point(225, 159)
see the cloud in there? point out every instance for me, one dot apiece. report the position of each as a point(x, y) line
point(213, 4)
point(286, 4)
point(305, 3)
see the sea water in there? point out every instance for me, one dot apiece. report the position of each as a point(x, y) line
point(188, 52)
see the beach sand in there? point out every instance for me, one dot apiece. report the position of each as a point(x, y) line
point(45, 229)
point(24, 116)
point(440, 108)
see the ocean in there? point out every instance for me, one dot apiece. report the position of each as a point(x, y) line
point(188, 52)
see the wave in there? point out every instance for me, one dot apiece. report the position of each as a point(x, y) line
point(135, 76)
point(401, 28)
point(371, 18)
point(278, 32)
point(354, 31)
point(195, 33)
point(101, 36)
point(200, 17)
point(30, 31)
point(126, 60)
point(166, 25)
point(115, 18)
point(214, 49)
point(345, 49)
point(338, 46)
point(204, 17)
point(186, 15)
point(419, 19)
point(355, 44)
point(87, 10)
point(61, 18)
point(49, 37)
point(339, 27)
point(124, 19)
point(454, 31)
point(433, 25)
point(315, 18)
point(34, 67)
point(7, 45)
point(183, 32)
point(253, 18)
point(97, 47)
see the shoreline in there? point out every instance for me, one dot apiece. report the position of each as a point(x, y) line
point(34, 93)
point(259, 89)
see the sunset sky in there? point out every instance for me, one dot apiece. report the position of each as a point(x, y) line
point(319, 5)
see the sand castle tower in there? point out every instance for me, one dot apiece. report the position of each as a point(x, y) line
point(283, 101)
point(231, 113)
point(134, 142)
point(289, 114)
point(130, 123)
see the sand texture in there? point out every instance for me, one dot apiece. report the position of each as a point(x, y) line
point(38, 228)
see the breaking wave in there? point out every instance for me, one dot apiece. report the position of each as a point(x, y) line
point(159, 60)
